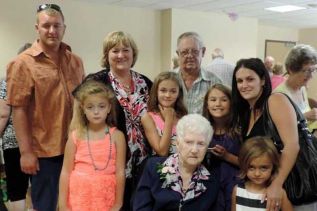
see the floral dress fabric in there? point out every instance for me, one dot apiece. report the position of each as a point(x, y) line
point(169, 173)
point(159, 123)
point(8, 136)
point(160, 187)
point(134, 105)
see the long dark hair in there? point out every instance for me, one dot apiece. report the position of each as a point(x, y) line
point(229, 130)
point(241, 107)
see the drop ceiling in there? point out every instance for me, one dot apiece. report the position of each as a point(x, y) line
point(235, 9)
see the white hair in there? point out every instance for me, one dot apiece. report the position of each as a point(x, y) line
point(193, 35)
point(217, 52)
point(196, 124)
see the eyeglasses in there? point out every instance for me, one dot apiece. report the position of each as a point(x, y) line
point(309, 71)
point(186, 52)
point(49, 6)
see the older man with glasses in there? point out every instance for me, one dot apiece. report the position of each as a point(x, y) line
point(194, 79)
point(40, 82)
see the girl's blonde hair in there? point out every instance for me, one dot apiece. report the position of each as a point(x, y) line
point(87, 88)
point(114, 38)
point(255, 147)
point(153, 104)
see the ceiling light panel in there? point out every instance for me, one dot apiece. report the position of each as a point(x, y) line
point(285, 8)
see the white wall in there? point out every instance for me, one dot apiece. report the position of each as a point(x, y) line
point(155, 32)
point(236, 38)
point(87, 24)
point(166, 39)
point(309, 36)
point(266, 32)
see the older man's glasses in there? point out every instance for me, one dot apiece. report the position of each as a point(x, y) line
point(187, 52)
point(49, 6)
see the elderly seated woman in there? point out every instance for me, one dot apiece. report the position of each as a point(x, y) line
point(180, 181)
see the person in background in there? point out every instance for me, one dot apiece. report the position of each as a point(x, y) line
point(174, 63)
point(165, 108)
point(300, 65)
point(132, 94)
point(4, 117)
point(269, 62)
point(278, 75)
point(259, 163)
point(180, 181)
point(39, 85)
point(93, 173)
point(17, 181)
point(222, 154)
point(251, 90)
point(220, 67)
point(194, 79)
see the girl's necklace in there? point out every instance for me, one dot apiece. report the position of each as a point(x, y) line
point(90, 154)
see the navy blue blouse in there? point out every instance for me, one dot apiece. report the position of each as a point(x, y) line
point(151, 196)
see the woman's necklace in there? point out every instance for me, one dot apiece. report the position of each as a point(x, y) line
point(90, 154)
point(126, 88)
point(126, 84)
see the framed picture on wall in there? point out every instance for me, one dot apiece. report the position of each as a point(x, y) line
point(278, 49)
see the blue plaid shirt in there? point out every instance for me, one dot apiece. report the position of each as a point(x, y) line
point(194, 97)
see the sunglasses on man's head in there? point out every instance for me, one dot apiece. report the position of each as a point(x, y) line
point(49, 6)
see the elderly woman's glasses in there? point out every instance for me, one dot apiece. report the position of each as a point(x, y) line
point(310, 70)
point(49, 6)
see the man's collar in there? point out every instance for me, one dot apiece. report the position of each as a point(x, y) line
point(204, 74)
point(37, 49)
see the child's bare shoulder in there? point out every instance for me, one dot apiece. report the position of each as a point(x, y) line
point(117, 135)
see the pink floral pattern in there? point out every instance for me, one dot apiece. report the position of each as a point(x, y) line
point(134, 105)
point(171, 178)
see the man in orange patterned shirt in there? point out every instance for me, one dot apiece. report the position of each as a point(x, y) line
point(40, 82)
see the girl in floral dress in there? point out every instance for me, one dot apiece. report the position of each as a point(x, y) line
point(93, 173)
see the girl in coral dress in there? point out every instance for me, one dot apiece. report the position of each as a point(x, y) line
point(93, 173)
point(165, 107)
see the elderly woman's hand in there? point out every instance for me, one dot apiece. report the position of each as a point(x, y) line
point(311, 115)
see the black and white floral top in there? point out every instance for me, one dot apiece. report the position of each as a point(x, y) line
point(8, 136)
point(171, 178)
point(134, 105)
